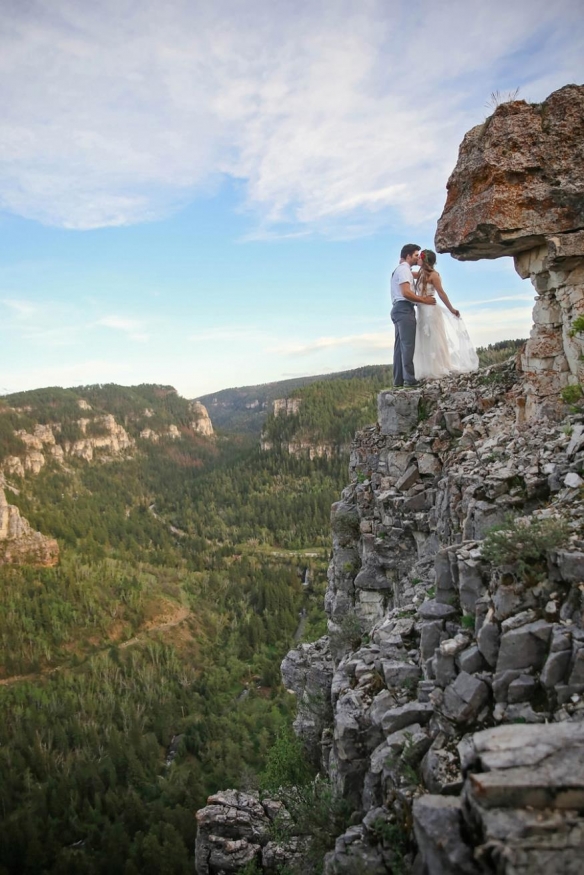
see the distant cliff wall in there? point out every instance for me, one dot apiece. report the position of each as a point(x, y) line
point(19, 544)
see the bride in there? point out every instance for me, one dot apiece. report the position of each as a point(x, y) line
point(442, 342)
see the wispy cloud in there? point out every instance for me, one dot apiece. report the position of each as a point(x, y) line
point(133, 328)
point(19, 308)
point(485, 325)
point(498, 300)
point(377, 340)
point(334, 116)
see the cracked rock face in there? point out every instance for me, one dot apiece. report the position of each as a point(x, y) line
point(447, 702)
point(519, 179)
point(233, 833)
point(19, 543)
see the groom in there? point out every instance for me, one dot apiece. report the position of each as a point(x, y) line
point(403, 316)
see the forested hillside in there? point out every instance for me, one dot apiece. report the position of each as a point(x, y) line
point(244, 409)
point(142, 672)
point(329, 412)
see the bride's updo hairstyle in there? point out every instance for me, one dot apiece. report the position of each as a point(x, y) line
point(427, 263)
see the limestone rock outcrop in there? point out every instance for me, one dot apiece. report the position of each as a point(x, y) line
point(518, 189)
point(286, 406)
point(234, 832)
point(201, 422)
point(19, 543)
point(307, 671)
point(114, 439)
point(101, 435)
point(519, 179)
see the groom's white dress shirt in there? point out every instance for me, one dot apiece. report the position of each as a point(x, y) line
point(402, 274)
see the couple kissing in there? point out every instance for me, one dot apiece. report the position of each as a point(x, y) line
point(437, 342)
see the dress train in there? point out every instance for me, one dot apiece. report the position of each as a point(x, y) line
point(443, 345)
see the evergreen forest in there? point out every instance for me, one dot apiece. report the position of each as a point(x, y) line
point(141, 673)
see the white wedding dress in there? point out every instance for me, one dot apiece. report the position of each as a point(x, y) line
point(442, 342)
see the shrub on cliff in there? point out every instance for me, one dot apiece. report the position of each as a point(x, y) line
point(524, 542)
point(287, 764)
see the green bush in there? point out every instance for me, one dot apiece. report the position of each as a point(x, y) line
point(577, 326)
point(572, 394)
point(287, 764)
point(349, 634)
point(524, 543)
point(345, 526)
point(318, 814)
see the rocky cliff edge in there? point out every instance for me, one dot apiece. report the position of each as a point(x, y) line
point(446, 703)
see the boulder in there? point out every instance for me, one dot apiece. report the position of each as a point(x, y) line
point(438, 827)
point(230, 832)
point(524, 647)
point(519, 179)
point(464, 698)
point(397, 412)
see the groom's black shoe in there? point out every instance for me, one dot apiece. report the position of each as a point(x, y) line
point(412, 385)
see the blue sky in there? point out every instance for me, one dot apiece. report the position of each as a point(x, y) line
point(214, 194)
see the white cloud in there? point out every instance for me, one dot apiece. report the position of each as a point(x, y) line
point(369, 341)
point(19, 308)
point(499, 299)
point(489, 325)
point(133, 328)
point(333, 114)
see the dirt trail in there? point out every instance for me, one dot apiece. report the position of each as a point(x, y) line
point(169, 622)
point(181, 614)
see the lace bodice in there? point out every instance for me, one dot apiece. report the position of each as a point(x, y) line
point(429, 291)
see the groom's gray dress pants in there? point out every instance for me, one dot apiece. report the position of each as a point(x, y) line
point(403, 316)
